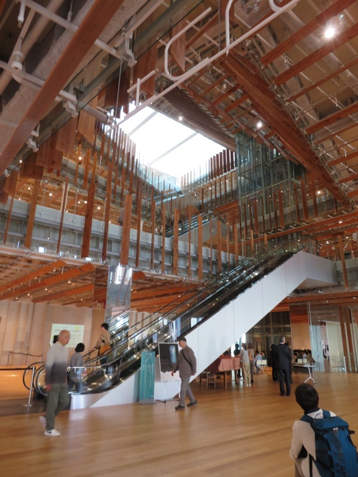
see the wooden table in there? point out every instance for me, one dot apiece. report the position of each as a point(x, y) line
point(223, 365)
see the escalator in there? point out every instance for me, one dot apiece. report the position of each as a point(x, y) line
point(212, 298)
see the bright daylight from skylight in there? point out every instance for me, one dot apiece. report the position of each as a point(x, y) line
point(167, 145)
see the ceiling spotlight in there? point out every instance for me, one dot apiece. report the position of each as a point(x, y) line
point(50, 194)
point(329, 32)
point(224, 86)
point(98, 207)
point(180, 118)
point(259, 124)
point(319, 192)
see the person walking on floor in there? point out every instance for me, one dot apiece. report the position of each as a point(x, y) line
point(56, 383)
point(245, 360)
point(283, 361)
point(186, 365)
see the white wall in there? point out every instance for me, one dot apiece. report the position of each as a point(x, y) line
point(26, 327)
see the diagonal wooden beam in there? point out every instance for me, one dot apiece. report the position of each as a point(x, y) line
point(89, 30)
point(353, 108)
point(70, 292)
point(69, 275)
point(35, 274)
point(273, 114)
point(317, 55)
point(319, 21)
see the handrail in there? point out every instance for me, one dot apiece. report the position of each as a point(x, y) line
point(186, 75)
point(213, 280)
point(23, 354)
point(180, 79)
point(225, 285)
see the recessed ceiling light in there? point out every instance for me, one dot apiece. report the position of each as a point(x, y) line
point(259, 124)
point(329, 32)
point(180, 118)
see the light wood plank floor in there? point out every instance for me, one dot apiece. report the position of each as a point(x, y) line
point(238, 431)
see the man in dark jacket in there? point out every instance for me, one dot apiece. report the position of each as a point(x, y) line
point(283, 361)
point(186, 365)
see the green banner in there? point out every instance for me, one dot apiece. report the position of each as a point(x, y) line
point(147, 376)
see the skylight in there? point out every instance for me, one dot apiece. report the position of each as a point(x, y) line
point(167, 145)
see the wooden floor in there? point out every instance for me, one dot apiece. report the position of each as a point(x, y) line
point(234, 432)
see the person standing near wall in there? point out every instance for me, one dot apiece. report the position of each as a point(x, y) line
point(245, 360)
point(186, 365)
point(251, 351)
point(56, 383)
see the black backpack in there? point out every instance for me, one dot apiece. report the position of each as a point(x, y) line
point(336, 455)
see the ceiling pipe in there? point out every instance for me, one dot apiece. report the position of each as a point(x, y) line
point(180, 79)
point(35, 83)
point(30, 39)
point(67, 25)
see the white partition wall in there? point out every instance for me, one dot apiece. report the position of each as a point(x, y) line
point(215, 335)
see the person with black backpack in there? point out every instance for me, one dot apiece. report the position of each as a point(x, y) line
point(321, 443)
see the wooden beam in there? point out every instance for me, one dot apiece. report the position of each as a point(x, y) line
point(218, 260)
point(65, 293)
point(32, 213)
point(33, 275)
point(200, 247)
point(343, 261)
point(153, 218)
point(340, 160)
point(326, 49)
point(325, 78)
point(139, 227)
point(50, 282)
point(107, 205)
point(319, 21)
point(86, 238)
point(353, 108)
point(163, 238)
point(63, 210)
point(175, 242)
point(126, 230)
point(82, 41)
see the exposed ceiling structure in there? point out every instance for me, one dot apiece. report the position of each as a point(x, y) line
point(290, 80)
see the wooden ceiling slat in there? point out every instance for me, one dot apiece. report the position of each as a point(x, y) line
point(339, 160)
point(89, 30)
point(326, 78)
point(353, 108)
point(319, 21)
point(352, 177)
point(35, 274)
point(70, 292)
point(335, 133)
point(75, 272)
point(318, 55)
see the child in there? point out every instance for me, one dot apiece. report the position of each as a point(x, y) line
point(75, 377)
point(258, 357)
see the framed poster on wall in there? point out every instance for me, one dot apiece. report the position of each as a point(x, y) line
point(76, 332)
point(168, 356)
